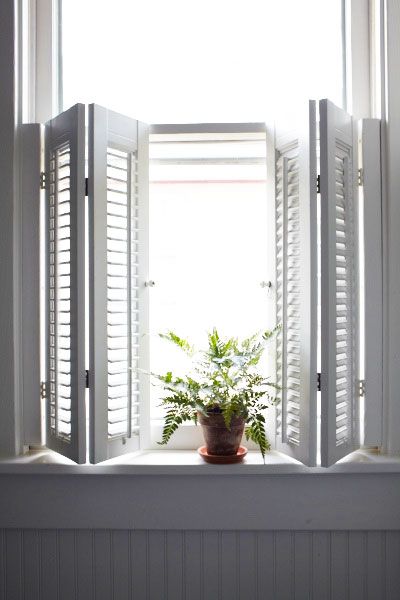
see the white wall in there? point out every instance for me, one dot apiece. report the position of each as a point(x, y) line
point(8, 437)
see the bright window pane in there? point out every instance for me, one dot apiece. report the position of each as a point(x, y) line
point(208, 241)
point(180, 61)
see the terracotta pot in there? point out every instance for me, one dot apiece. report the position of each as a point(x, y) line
point(220, 440)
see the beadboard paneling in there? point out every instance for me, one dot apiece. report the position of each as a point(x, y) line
point(199, 565)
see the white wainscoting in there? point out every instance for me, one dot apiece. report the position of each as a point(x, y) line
point(210, 565)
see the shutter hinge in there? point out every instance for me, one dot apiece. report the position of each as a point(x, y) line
point(318, 382)
point(361, 388)
point(360, 177)
point(86, 378)
point(43, 389)
point(43, 180)
point(318, 184)
point(86, 186)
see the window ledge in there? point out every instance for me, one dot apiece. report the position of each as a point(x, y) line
point(188, 462)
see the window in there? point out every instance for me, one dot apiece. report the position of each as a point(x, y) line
point(116, 170)
point(209, 238)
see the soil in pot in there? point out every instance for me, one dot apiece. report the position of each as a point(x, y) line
point(220, 440)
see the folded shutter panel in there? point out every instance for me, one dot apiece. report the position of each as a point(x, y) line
point(115, 234)
point(296, 287)
point(373, 298)
point(339, 342)
point(65, 229)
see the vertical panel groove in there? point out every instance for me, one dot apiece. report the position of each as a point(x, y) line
point(302, 564)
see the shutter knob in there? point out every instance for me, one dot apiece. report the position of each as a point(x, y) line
point(150, 283)
point(266, 284)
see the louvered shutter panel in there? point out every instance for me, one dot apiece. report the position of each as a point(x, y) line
point(65, 254)
point(296, 287)
point(117, 234)
point(339, 342)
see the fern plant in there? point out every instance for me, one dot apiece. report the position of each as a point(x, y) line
point(224, 380)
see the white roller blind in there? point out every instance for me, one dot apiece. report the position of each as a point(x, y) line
point(117, 239)
point(296, 286)
point(65, 232)
point(339, 284)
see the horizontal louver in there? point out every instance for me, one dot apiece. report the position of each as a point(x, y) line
point(65, 289)
point(60, 294)
point(344, 274)
point(122, 294)
point(288, 297)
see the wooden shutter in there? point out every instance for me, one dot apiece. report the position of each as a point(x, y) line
point(339, 283)
point(117, 234)
point(296, 286)
point(373, 290)
point(65, 264)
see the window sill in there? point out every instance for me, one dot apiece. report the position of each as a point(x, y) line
point(188, 462)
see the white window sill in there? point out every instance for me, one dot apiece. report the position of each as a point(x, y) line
point(188, 462)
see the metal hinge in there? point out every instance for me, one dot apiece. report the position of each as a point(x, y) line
point(87, 378)
point(86, 186)
point(318, 184)
point(43, 180)
point(318, 382)
point(360, 177)
point(43, 389)
point(361, 388)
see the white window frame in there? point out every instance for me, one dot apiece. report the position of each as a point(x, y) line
point(39, 99)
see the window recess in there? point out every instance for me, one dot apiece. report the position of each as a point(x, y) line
point(117, 235)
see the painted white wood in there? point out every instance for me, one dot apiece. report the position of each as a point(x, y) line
point(265, 564)
point(30, 145)
point(211, 564)
point(358, 70)
point(296, 285)
point(321, 564)
point(392, 560)
point(47, 73)
point(391, 151)
point(140, 563)
point(228, 565)
point(120, 567)
point(174, 565)
point(334, 570)
point(67, 130)
point(375, 564)
point(157, 563)
point(357, 565)
point(30, 558)
point(110, 132)
point(50, 568)
point(339, 565)
point(101, 562)
point(338, 161)
point(247, 565)
point(373, 296)
point(85, 562)
point(302, 564)
point(9, 442)
point(284, 565)
point(67, 565)
point(193, 553)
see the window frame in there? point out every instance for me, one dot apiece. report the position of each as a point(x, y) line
point(43, 83)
